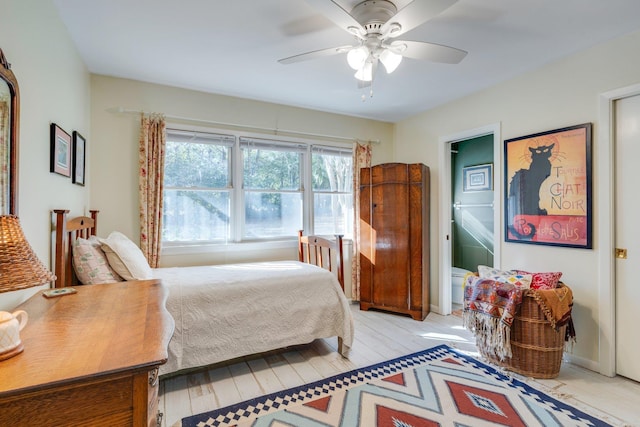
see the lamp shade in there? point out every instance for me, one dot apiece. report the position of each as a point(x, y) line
point(19, 266)
point(390, 60)
point(365, 73)
point(357, 56)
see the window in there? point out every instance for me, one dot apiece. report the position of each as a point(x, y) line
point(332, 186)
point(197, 187)
point(272, 188)
point(229, 188)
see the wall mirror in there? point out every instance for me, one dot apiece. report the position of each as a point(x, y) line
point(9, 123)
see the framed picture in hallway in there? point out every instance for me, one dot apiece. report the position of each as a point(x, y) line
point(548, 188)
point(477, 178)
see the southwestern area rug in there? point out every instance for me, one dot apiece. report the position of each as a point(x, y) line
point(436, 387)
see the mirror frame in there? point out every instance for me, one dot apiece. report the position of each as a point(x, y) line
point(7, 75)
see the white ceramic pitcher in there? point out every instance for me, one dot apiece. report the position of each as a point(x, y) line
point(10, 326)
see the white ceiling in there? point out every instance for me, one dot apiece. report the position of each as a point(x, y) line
point(232, 48)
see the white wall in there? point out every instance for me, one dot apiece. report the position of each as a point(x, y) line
point(560, 94)
point(54, 87)
point(114, 159)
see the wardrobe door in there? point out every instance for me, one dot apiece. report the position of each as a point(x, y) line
point(367, 249)
point(390, 220)
point(384, 239)
point(418, 253)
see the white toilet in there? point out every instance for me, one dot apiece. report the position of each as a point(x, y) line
point(457, 292)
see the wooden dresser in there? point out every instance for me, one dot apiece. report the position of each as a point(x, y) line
point(89, 359)
point(394, 238)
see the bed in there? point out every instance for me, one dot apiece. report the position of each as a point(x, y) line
point(223, 312)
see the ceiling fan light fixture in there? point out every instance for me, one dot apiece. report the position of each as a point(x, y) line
point(357, 57)
point(365, 73)
point(390, 60)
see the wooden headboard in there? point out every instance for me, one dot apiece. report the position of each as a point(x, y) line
point(66, 232)
point(322, 252)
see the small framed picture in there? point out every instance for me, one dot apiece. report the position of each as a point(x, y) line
point(60, 151)
point(79, 150)
point(477, 178)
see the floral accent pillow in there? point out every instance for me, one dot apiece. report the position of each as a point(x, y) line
point(544, 280)
point(90, 263)
point(489, 272)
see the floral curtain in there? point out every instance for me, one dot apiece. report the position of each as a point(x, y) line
point(150, 184)
point(361, 159)
point(4, 154)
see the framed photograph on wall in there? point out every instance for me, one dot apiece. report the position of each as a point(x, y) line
point(60, 151)
point(477, 178)
point(548, 188)
point(79, 150)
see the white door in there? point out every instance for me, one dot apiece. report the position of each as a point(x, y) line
point(627, 208)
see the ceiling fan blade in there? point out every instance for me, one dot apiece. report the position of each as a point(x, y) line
point(428, 51)
point(415, 13)
point(339, 16)
point(315, 54)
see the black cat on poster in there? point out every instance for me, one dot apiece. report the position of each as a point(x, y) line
point(524, 189)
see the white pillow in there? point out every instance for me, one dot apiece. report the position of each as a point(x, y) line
point(90, 263)
point(489, 272)
point(125, 257)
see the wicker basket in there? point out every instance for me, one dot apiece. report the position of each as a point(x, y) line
point(536, 347)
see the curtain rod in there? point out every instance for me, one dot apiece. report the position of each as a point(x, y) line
point(122, 110)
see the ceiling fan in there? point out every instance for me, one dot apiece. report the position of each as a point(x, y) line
point(375, 24)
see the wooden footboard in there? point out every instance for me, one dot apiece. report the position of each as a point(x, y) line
point(322, 252)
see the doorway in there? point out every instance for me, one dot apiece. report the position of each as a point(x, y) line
point(470, 220)
point(472, 239)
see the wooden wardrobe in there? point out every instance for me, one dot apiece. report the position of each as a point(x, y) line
point(394, 238)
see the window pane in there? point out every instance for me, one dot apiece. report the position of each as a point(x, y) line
point(271, 169)
point(196, 165)
point(272, 214)
point(332, 172)
point(195, 216)
point(333, 214)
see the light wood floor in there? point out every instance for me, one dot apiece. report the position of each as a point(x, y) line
point(378, 337)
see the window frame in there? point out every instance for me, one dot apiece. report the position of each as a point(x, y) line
point(237, 191)
point(202, 137)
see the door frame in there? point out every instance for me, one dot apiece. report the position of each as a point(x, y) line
point(605, 201)
point(444, 256)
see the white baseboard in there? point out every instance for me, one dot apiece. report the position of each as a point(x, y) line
point(592, 365)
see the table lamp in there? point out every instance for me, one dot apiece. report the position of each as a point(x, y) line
point(20, 268)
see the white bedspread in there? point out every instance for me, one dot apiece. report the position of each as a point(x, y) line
point(226, 311)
